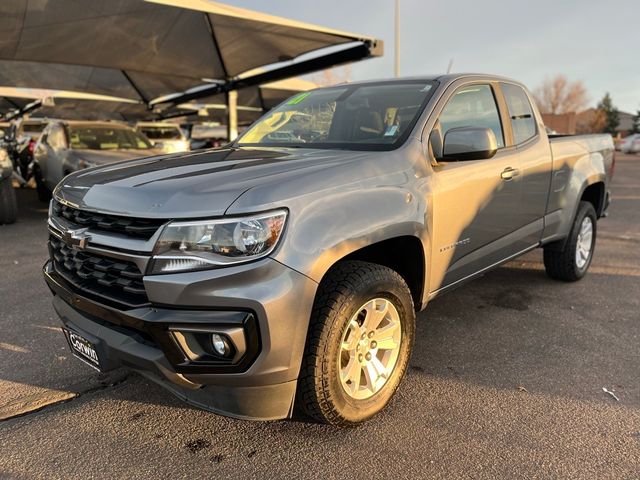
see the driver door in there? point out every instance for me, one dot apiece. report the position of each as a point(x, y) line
point(475, 202)
point(50, 154)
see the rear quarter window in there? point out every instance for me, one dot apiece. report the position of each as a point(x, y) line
point(523, 122)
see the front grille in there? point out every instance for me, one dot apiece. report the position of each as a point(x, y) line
point(117, 281)
point(134, 227)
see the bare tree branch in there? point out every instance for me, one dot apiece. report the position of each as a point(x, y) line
point(557, 95)
point(332, 76)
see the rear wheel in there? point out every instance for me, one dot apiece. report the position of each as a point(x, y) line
point(571, 262)
point(359, 343)
point(8, 202)
point(44, 194)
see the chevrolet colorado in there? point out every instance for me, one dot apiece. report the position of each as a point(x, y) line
point(286, 269)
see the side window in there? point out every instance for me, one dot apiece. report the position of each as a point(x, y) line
point(523, 121)
point(472, 106)
point(56, 138)
point(44, 138)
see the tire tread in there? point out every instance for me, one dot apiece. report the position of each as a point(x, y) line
point(8, 202)
point(332, 298)
point(560, 263)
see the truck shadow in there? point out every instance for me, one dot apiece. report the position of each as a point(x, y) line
point(518, 330)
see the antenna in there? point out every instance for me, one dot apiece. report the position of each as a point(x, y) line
point(450, 65)
point(397, 39)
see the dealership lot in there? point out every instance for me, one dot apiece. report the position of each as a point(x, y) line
point(506, 380)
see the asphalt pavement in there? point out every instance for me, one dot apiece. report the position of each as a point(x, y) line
point(506, 381)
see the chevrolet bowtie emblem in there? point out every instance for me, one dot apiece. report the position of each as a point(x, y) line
point(77, 239)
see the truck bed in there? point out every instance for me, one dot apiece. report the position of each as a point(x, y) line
point(570, 150)
point(576, 160)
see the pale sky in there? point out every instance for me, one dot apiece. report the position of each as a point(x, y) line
point(597, 42)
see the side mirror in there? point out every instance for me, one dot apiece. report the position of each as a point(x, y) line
point(469, 143)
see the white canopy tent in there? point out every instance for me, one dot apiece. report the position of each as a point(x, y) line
point(14, 102)
point(252, 102)
point(162, 52)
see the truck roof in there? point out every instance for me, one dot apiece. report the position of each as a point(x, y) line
point(442, 78)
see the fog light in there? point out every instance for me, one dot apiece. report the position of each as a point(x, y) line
point(220, 345)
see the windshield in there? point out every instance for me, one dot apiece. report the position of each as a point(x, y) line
point(161, 133)
point(203, 131)
point(106, 138)
point(33, 127)
point(375, 116)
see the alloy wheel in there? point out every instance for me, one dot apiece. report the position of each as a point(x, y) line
point(584, 242)
point(370, 348)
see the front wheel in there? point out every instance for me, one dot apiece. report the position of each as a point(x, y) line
point(359, 343)
point(571, 262)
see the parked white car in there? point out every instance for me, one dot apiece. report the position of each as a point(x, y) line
point(631, 144)
point(167, 137)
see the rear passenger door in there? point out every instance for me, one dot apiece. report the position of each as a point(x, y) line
point(476, 203)
point(43, 153)
point(535, 160)
point(56, 144)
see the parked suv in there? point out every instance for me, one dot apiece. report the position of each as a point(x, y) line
point(68, 146)
point(281, 273)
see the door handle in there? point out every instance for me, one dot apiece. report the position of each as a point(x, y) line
point(508, 173)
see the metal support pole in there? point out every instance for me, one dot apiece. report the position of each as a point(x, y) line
point(232, 114)
point(397, 40)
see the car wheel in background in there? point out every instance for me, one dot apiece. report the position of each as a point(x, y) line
point(359, 343)
point(8, 202)
point(571, 262)
point(44, 194)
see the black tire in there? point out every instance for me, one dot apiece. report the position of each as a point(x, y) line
point(347, 287)
point(560, 260)
point(8, 202)
point(44, 194)
point(23, 167)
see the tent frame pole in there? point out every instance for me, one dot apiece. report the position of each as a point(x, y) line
point(348, 55)
point(232, 114)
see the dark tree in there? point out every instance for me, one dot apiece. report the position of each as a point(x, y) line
point(635, 127)
point(611, 113)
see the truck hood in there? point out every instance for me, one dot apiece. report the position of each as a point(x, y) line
point(190, 185)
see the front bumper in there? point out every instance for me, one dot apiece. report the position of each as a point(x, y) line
point(270, 303)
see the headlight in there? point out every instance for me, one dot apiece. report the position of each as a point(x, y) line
point(198, 245)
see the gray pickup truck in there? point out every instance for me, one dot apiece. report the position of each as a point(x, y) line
point(283, 273)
